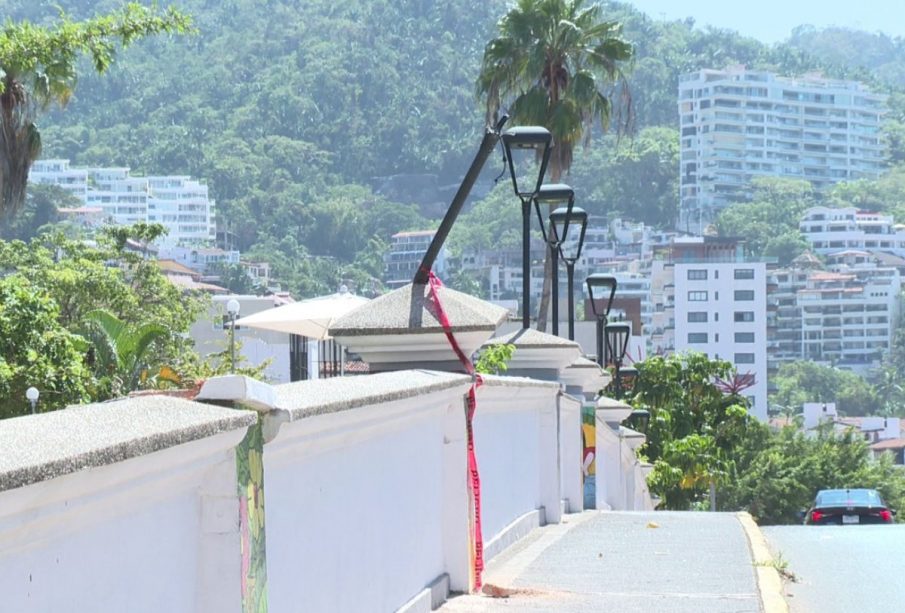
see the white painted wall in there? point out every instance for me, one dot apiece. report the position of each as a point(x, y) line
point(621, 484)
point(357, 505)
point(571, 452)
point(153, 533)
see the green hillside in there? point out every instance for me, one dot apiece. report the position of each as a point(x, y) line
point(295, 111)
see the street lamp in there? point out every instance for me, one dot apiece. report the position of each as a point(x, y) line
point(539, 143)
point(628, 373)
point(559, 230)
point(597, 286)
point(616, 344)
point(31, 394)
point(232, 308)
point(570, 251)
point(639, 420)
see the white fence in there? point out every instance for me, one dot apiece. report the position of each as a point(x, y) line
point(364, 504)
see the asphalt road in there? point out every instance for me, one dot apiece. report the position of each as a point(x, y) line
point(842, 568)
point(625, 562)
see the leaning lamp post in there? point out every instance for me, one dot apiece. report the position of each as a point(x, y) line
point(552, 194)
point(533, 142)
point(570, 251)
point(617, 336)
point(601, 288)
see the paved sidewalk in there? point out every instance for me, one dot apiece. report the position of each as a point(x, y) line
point(626, 562)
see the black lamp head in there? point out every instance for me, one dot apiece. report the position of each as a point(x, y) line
point(616, 341)
point(552, 194)
point(598, 285)
point(638, 420)
point(561, 219)
point(531, 139)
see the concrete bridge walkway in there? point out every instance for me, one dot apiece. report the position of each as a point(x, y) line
point(627, 562)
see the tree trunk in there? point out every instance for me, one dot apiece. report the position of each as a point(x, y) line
point(543, 307)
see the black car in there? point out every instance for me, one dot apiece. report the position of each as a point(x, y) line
point(851, 506)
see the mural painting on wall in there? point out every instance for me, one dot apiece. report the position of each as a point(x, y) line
point(588, 455)
point(249, 462)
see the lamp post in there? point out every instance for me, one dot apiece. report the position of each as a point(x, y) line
point(232, 309)
point(597, 287)
point(32, 394)
point(639, 420)
point(628, 373)
point(559, 230)
point(538, 142)
point(491, 138)
point(616, 344)
point(570, 251)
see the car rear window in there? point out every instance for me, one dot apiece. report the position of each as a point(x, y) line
point(849, 498)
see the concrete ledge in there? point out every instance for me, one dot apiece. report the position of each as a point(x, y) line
point(769, 583)
point(514, 532)
point(325, 396)
point(430, 598)
point(48, 445)
point(249, 392)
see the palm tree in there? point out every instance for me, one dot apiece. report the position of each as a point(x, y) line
point(559, 64)
point(38, 69)
point(120, 351)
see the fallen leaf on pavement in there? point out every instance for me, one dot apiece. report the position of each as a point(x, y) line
point(653, 524)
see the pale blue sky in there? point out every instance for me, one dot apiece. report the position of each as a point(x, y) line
point(772, 20)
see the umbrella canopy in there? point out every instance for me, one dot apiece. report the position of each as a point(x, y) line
point(311, 318)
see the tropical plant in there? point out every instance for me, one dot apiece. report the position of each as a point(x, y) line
point(38, 67)
point(122, 357)
point(697, 424)
point(494, 359)
point(557, 64)
point(36, 350)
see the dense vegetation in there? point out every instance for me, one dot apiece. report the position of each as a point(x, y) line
point(700, 433)
point(296, 113)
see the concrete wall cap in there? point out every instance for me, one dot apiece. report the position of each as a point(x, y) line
point(323, 396)
point(504, 381)
point(49, 445)
point(250, 392)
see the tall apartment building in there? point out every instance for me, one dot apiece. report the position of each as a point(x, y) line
point(407, 249)
point(845, 315)
point(180, 203)
point(833, 230)
point(737, 124)
point(720, 308)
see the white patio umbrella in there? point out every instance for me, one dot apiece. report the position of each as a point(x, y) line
point(310, 318)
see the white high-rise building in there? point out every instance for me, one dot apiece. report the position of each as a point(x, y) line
point(721, 308)
point(846, 315)
point(831, 230)
point(737, 124)
point(179, 203)
point(182, 204)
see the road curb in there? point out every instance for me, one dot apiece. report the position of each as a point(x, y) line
point(769, 582)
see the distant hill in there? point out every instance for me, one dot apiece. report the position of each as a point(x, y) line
point(276, 102)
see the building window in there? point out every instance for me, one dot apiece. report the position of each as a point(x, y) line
point(697, 338)
point(695, 274)
point(744, 337)
point(697, 296)
point(744, 294)
point(697, 317)
point(744, 358)
point(743, 316)
point(744, 273)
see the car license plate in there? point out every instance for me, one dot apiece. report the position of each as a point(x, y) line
point(851, 519)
